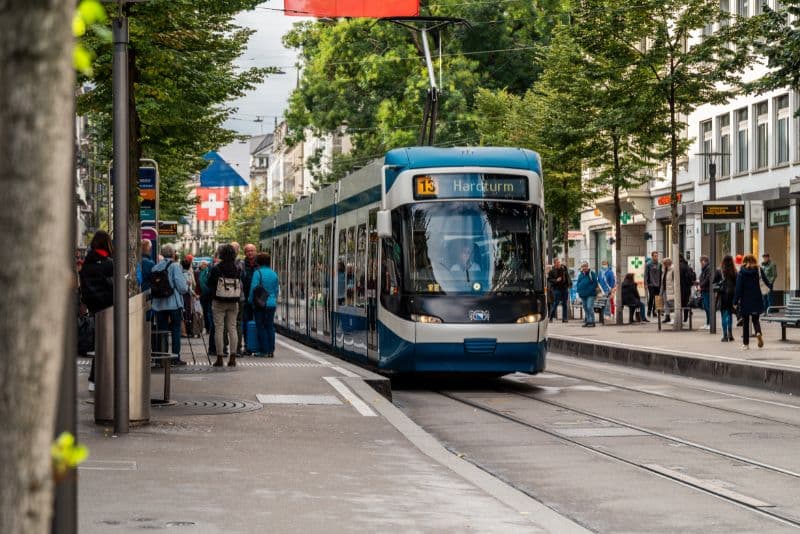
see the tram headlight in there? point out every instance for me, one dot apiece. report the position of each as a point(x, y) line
point(530, 318)
point(428, 319)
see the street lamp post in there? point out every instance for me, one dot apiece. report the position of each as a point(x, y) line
point(712, 253)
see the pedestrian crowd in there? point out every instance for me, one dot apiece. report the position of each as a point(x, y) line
point(740, 287)
point(231, 299)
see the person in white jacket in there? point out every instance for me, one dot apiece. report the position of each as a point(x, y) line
point(667, 287)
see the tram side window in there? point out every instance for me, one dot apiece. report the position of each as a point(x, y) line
point(360, 266)
point(350, 280)
point(392, 261)
point(341, 268)
point(303, 268)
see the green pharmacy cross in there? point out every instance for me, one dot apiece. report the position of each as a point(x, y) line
point(636, 262)
point(625, 217)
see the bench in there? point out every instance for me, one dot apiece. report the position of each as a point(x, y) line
point(790, 317)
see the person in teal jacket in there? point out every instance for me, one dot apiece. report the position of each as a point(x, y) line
point(265, 317)
point(586, 287)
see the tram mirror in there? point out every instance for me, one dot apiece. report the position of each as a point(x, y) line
point(384, 224)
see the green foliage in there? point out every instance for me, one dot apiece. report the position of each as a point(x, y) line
point(66, 455)
point(183, 51)
point(246, 215)
point(90, 14)
point(371, 76)
point(776, 36)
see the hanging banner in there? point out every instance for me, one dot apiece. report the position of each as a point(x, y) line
point(213, 204)
point(351, 8)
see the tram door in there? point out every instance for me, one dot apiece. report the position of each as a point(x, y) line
point(314, 275)
point(372, 286)
point(326, 249)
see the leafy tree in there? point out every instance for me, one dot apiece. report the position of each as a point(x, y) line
point(371, 76)
point(689, 64)
point(181, 74)
point(623, 123)
point(776, 36)
point(36, 125)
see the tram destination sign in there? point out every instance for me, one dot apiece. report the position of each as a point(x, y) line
point(470, 185)
point(723, 212)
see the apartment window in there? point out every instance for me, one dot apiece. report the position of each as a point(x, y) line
point(725, 7)
point(724, 126)
point(759, 7)
point(706, 146)
point(782, 130)
point(742, 163)
point(743, 8)
point(762, 137)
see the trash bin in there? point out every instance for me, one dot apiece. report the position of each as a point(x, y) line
point(138, 362)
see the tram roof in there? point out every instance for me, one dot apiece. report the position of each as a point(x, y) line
point(425, 156)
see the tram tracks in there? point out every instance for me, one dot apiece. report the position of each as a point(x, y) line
point(723, 494)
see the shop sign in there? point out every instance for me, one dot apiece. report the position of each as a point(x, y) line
point(574, 235)
point(778, 217)
point(721, 212)
point(636, 265)
point(665, 199)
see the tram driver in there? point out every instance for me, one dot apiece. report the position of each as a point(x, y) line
point(465, 260)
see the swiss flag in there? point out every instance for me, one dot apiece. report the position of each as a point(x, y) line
point(213, 204)
point(352, 8)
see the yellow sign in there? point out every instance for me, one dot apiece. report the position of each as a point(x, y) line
point(425, 186)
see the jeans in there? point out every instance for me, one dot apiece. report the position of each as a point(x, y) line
point(727, 322)
point(767, 301)
point(746, 327)
point(632, 312)
point(225, 316)
point(707, 306)
point(171, 320)
point(652, 291)
point(265, 327)
point(588, 309)
point(560, 296)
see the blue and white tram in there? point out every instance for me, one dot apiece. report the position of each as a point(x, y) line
point(430, 261)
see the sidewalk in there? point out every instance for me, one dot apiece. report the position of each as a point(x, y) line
point(298, 443)
point(695, 353)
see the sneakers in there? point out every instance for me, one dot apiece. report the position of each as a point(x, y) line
point(91, 387)
point(706, 327)
point(745, 347)
point(760, 340)
point(724, 339)
point(668, 322)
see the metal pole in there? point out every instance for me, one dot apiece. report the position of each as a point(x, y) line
point(712, 253)
point(121, 171)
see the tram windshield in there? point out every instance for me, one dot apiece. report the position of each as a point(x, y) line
point(473, 248)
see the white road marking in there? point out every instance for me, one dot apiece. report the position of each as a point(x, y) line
point(344, 371)
point(303, 353)
point(706, 485)
point(351, 397)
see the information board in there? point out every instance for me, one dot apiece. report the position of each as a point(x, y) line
point(473, 185)
point(722, 212)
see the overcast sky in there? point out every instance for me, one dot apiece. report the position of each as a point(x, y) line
point(269, 99)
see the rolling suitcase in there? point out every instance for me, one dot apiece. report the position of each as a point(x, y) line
point(251, 340)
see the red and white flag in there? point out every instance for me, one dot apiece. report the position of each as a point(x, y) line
point(213, 204)
point(352, 8)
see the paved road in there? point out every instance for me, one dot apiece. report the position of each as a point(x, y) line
point(624, 450)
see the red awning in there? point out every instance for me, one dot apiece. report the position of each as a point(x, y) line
point(352, 8)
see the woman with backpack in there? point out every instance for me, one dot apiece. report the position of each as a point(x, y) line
point(97, 280)
point(225, 283)
point(749, 300)
point(168, 287)
point(724, 288)
point(263, 294)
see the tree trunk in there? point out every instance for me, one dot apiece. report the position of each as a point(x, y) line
point(134, 251)
point(673, 202)
point(566, 241)
point(618, 234)
point(37, 82)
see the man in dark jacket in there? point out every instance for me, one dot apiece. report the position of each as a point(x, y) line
point(652, 280)
point(559, 282)
point(705, 288)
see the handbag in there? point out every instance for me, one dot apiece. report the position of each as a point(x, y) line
point(659, 302)
point(762, 284)
point(260, 294)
